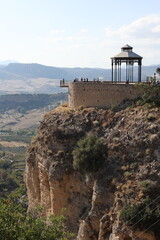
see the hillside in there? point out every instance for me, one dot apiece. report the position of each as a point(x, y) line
point(94, 202)
point(40, 71)
point(25, 102)
point(24, 111)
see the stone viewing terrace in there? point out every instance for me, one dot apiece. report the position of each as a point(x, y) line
point(99, 93)
point(96, 93)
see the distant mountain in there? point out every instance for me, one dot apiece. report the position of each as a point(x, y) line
point(37, 78)
point(33, 70)
point(6, 62)
point(40, 71)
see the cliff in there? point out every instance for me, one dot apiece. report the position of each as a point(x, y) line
point(93, 203)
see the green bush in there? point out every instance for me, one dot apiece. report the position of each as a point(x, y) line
point(89, 155)
point(149, 187)
point(16, 224)
point(142, 216)
point(150, 95)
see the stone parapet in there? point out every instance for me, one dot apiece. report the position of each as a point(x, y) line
point(100, 94)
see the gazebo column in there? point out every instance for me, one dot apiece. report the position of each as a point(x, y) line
point(139, 70)
point(112, 70)
point(132, 71)
point(115, 72)
point(119, 70)
point(126, 70)
point(131, 63)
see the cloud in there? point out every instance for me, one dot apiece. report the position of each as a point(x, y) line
point(142, 30)
point(56, 32)
point(143, 34)
point(156, 29)
point(83, 30)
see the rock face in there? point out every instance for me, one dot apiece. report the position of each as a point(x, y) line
point(93, 203)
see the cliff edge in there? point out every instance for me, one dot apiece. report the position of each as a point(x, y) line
point(93, 203)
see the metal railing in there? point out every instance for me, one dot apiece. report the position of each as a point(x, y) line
point(63, 83)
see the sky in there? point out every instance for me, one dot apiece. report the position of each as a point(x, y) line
point(78, 33)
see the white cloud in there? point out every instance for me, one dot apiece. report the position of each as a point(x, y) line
point(156, 29)
point(83, 30)
point(143, 34)
point(56, 31)
point(145, 28)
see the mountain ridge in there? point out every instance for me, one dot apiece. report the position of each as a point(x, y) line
point(35, 70)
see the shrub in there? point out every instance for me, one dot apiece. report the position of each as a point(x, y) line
point(150, 96)
point(127, 174)
point(89, 155)
point(129, 214)
point(64, 104)
point(144, 215)
point(151, 118)
point(80, 108)
point(17, 224)
point(148, 186)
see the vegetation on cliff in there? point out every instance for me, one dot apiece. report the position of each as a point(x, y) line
point(150, 96)
point(89, 154)
point(17, 224)
point(144, 215)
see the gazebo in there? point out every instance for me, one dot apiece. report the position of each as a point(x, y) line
point(129, 57)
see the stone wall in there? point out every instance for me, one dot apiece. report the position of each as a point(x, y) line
point(100, 94)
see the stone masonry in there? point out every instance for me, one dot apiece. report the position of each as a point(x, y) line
point(100, 94)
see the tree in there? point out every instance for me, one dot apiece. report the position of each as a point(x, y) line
point(17, 224)
point(89, 154)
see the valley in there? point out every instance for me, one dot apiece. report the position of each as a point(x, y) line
point(20, 115)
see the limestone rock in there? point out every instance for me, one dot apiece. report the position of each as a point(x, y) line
point(92, 205)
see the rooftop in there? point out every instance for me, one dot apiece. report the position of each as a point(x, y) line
point(126, 52)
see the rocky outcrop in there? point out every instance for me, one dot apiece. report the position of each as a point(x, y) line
point(92, 204)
